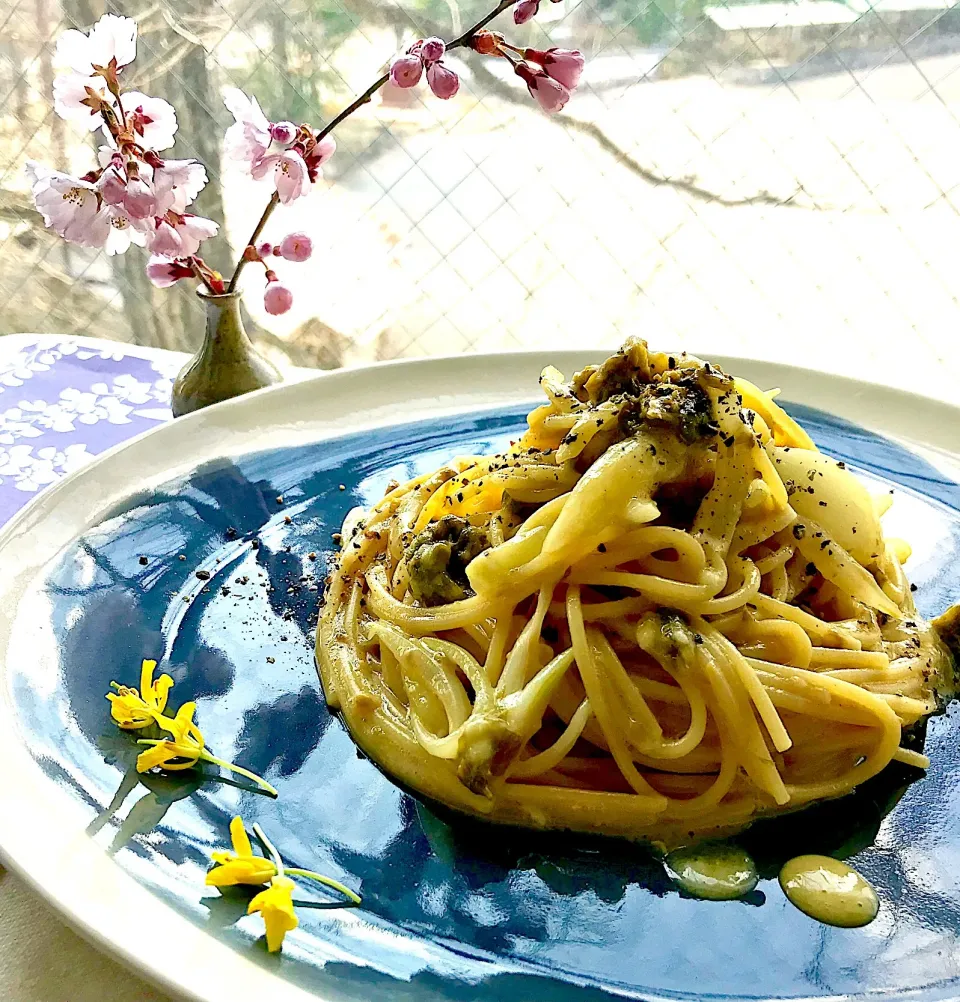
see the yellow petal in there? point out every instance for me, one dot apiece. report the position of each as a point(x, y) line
point(179, 725)
point(255, 870)
point(146, 674)
point(221, 856)
point(275, 905)
point(128, 710)
point(239, 837)
point(155, 756)
point(160, 691)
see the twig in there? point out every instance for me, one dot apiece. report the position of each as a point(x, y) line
point(254, 237)
point(357, 103)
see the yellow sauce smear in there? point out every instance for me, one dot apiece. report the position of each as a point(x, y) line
point(716, 873)
point(829, 891)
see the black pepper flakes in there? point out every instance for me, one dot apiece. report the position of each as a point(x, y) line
point(143, 561)
point(602, 548)
point(203, 575)
point(271, 661)
point(799, 531)
point(230, 532)
point(823, 504)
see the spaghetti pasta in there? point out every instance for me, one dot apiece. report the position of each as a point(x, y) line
point(661, 614)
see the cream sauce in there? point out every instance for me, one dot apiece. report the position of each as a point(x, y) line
point(829, 891)
point(716, 873)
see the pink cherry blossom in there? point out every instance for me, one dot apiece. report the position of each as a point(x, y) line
point(289, 174)
point(164, 273)
point(153, 120)
point(112, 185)
point(177, 183)
point(177, 236)
point(248, 139)
point(319, 155)
point(548, 93)
point(563, 65)
point(124, 230)
point(70, 90)
point(112, 37)
point(140, 201)
point(283, 132)
point(432, 50)
point(525, 10)
point(193, 230)
point(265, 249)
point(165, 240)
point(69, 206)
point(277, 298)
point(296, 247)
point(442, 81)
point(405, 71)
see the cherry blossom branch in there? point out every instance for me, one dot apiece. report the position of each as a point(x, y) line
point(136, 196)
point(463, 39)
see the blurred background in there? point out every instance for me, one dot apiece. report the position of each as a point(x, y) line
point(775, 178)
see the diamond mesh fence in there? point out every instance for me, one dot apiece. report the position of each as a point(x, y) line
point(776, 178)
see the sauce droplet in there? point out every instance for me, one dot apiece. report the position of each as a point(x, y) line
point(829, 891)
point(716, 873)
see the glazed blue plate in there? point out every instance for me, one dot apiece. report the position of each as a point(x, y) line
point(213, 565)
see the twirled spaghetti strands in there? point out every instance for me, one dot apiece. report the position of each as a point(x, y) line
point(661, 613)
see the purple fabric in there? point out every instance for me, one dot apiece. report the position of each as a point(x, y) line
point(62, 402)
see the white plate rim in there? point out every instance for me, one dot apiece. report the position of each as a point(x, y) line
point(41, 827)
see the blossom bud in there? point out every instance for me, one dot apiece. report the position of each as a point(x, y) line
point(564, 65)
point(277, 299)
point(296, 247)
point(525, 10)
point(487, 43)
point(405, 71)
point(265, 249)
point(547, 92)
point(432, 50)
point(283, 132)
point(442, 80)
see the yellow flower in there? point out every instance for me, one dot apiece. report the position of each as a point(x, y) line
point(183, 751)
point(132, 710)
point(186, 748)
point(275, 905)
point(240, 866)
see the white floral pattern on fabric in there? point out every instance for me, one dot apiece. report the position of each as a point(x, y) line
point(102, 402)
point(63, 402)
point(26, 363)
point(30, 471)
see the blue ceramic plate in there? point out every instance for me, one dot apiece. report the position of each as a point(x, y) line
point(203, 545)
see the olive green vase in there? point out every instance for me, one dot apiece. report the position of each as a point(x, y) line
point(227, 365)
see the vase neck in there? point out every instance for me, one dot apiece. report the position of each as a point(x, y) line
point(225, 336)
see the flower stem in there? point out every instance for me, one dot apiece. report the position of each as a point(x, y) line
point(271, 848)
point(213, 760)
point(463, 39)
point(252, 240)
point(328, 881)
